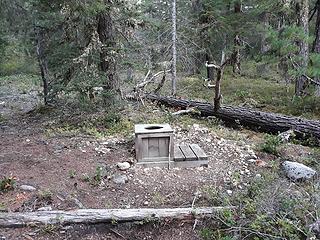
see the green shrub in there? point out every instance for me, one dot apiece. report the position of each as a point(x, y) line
point(271, 144)
point(7, 184)
point(110, 119)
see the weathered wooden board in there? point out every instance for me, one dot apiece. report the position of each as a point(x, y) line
point(85, 216)
point(198, 152)
point(164, 146)
point(178, 155)
point(188, 153)
point(143, 146)
point(153, 147)
point(175, 164)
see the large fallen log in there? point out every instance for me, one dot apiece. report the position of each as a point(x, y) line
point(263, 121)
point(103, 215)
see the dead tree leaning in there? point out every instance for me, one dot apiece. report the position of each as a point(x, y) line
point(217, 87)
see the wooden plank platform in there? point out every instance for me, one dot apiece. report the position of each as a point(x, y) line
point(188, 153)
point(178, 155)
point(192, 152)
point(201, 155)
point(185, 156)
point(175, 164)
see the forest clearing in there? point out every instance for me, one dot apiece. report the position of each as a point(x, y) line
point(96, 97)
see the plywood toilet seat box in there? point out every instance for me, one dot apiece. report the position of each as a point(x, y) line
point(154, 143)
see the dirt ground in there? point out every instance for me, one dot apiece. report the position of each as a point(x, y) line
point(63, 169)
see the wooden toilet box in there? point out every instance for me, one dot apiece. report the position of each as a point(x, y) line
point(154, 142)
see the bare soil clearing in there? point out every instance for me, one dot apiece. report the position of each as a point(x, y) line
point(63, 169)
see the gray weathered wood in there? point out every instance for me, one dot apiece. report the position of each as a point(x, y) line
point(188, 153)
point(143, 146)
point(178, 155)
point(175, 164)
point(153, 147)
point(103, 215)
point(201, 155)
point(164, 146)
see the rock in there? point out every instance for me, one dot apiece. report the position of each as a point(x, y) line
point(120, 179)
point(286, 136)
point(146, 203)
point(123, 166)
point(27, 188)
point(252, 160)
point(297, 171)
point(229, 192)
point(315, 228)
point(48, 208)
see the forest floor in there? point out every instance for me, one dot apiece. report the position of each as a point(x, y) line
point(71, 161)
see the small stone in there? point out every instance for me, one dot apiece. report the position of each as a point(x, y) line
point(229, 192)
point(286, 136)
point(146, 203)
point(28, 140)
point(252, 160)
point(297, 171)
point(27, 188)
point(48, 208)
point(120, 179)
point(123, 166)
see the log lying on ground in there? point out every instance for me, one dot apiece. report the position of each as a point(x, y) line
point(103, 215)
point(263, 121)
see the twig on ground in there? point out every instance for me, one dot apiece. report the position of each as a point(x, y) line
point(118, 234)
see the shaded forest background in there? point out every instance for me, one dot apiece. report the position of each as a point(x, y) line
point(272, 48)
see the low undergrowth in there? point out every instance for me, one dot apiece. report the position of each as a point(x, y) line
point(270, 206)
point(7, 183)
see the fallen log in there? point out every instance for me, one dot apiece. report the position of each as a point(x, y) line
point(263, 121)
point(103, 215)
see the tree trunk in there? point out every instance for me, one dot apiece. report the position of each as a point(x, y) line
point(262, 121)
point(316, 43)
point(236, 43)
point(265, 21)
point(217, 98)
point(108, 62)
point(210, 70)
point(103, 215)
point(174, 48)
point(302, 8)
point(40, 37)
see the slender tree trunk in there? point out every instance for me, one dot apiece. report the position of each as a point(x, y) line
point(40, 36)
point(236, 55)
point(108, 63)
point(174, 48)
point(316, 43)
point(237, 43)
point(265, 22)
point(302, 7)
point(210, 70)
point(217, 98)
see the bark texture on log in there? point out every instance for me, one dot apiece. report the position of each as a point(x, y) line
point(102, 215)
point(263, 121)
